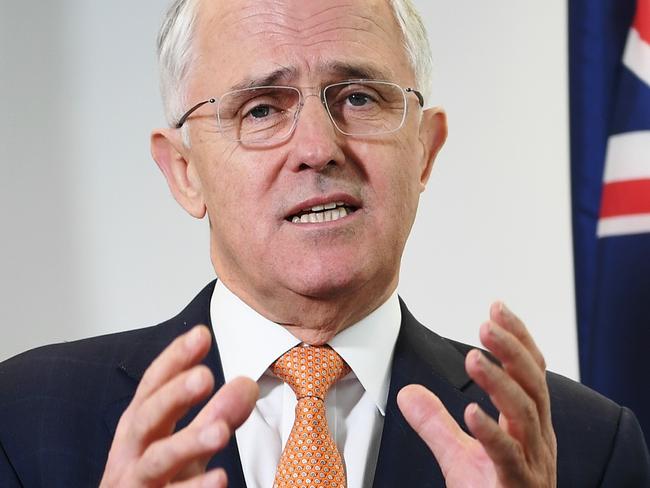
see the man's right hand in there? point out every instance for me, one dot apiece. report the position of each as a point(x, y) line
point(146, 451)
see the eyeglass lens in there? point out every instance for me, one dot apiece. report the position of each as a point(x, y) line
point(268, 114)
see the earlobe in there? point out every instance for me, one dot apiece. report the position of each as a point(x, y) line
point(171, 157)
point(433, 133)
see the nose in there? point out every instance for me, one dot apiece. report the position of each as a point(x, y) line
point(315, 143)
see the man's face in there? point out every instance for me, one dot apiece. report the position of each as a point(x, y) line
point(251, 194)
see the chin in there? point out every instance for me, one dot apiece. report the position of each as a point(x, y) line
point(327, 283)
point(331, 283)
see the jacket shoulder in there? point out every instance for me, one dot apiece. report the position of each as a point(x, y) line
point(54, 402)
point(80, 361)
point(68, 362)
point(597, 439)
point(59, 404)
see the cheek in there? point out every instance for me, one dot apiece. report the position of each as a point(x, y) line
point(237, 192)
point(397, 193)
point(394, 176)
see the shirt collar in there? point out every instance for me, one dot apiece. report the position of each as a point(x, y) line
point(366, 346)
point(238, 330)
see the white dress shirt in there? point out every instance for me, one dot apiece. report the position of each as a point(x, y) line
point(249, 343)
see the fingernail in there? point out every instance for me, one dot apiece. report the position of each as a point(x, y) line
point(474, 410)
point(505, 311)
point(195, 382)
point(212, 436)
point(193, 338)
point(477, 357)
point(493, 330)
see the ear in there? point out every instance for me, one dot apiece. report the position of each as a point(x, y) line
point(172, 158)
point(433, 133)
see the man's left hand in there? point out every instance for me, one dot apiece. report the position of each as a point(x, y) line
point(519, 450)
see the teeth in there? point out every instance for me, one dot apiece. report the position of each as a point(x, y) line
point(339, 213)
point(325, 206)
point(328, 212)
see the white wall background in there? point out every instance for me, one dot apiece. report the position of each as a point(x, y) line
point(92, 242)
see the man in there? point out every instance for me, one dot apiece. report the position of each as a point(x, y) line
point(299, 129)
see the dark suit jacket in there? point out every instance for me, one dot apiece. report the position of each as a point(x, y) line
point(60, 404)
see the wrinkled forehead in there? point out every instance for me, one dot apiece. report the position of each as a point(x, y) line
point(240, 42)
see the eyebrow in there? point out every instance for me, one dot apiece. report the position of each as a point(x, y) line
point(282, 74)
point(335, 69)
point(356, 70)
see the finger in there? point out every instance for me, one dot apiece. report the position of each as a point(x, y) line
point(519, 364)
point(156, 417)
point(233, 403)
point(508, 397)
point(426, 414)
point(509, 321)
point(206, 434)
point(165, 458)
point(216, 478)
point(506, 454)
point(185, 351)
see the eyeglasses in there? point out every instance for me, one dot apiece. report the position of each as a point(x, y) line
point(267, 115)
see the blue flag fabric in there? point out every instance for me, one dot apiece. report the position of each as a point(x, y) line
point(609, 57)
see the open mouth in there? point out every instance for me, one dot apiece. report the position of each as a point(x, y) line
point(327, 212)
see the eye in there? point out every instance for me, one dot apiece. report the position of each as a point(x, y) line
point(358, 99)
point(259, 111)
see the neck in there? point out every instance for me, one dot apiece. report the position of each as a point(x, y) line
point(314, 320)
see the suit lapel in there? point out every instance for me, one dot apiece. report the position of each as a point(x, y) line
point(148, 345)
point(421, 357)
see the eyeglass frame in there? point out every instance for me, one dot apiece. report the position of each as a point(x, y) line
point(322, 91)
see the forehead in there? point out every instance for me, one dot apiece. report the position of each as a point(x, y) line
point(302, 40)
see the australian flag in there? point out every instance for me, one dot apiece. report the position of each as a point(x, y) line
point(610, 179)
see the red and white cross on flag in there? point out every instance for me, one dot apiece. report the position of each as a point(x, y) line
point(625, 203)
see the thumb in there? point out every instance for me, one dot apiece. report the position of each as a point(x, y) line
point(426, 414)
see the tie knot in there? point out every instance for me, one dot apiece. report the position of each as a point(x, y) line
point(310, 371)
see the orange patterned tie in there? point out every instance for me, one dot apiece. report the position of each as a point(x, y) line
point(310, 459)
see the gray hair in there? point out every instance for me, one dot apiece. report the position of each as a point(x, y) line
point(175, 51)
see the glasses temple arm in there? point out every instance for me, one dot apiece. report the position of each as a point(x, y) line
point(417, 94)
point(187, 114)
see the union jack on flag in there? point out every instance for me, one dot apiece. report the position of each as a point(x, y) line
point(610, 181)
